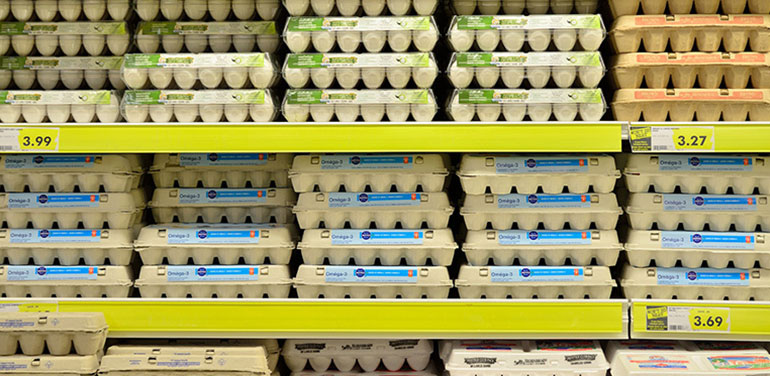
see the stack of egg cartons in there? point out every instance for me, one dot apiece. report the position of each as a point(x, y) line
point(690, 211)
point(68, 223)
point(201, 62)
point(705, 66)
point(517, 214)
point(207, 211)
point(342, 195)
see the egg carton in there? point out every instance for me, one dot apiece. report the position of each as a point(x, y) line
point(299, 70)
point(69, 10)
point(187, 106)
point(198, 37)
point(236, 170)
point(212, 205)
point(487, 33)
point(692, 249)
point(34, 281)
point(692, 104)
point(33, 365)
point(528, 211)
point(430, 370)
point(350, 33)
point(47, 38)
point(23, 72)
point(694, 211)
point(631, 7)
point(531, 247)
point(364, 282)
point(218, 10)
point(502, 173)
point(360, 209)
point(178, 365)
point(60, 106)
point(55, 331)
point(565, 69)
point(370, 8)
point(688, 33)
point(709, 69)
point(394, 354)
point(695, 283)
point(541, 282)
point(537, 104)
point(214, 281)
point(378, 172)
point(346, 105)
point(365, 247)
point(494, 7)
point(68, 247)
point(691, 173)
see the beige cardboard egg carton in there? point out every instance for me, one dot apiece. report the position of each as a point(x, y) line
point(552, 211)
point(394, 354)
point(187, 205)
point(691, 104)
point(695, 283)
point(631, 7)
point(58, 332)
point(380, 172)
point(36, 281)
point(364, 282)
point(527, 282)
point(193, 364)
point(208, 281)
point(68, 247)
point(693, 211)
point(501, 174)
point(360, 209)
point(493, 7)
point(31, 365)
point(237, 170)
point(531, 247)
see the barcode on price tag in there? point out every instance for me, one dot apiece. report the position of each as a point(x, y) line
point(29, 140)
point(687, 319)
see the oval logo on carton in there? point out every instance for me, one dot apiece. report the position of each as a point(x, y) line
point(41, 270)
point(38, 159)
point(363, 197)
point(526, 272)
point(42, 199)
point(44, 233)
point(201, 271)
point(360, 272)
point(698, 201)
point(531, 163)
point(533, 235)
point(694, 161)
point(212, 194)
point(213, 157)
point(532, 199)
point(696, 238)
point(366, 235)
point(692, 275)
point(202, 234)
point(355, 160)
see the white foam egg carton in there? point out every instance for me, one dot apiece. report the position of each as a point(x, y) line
point(68, 247)
point(186, 205)
point(236, 170)
point(220, 281)
point(694, 283)
point(33, 365)
point(197, 37)
point(564, 69)
point(218, 10)
point(364, 282)
point(371, 105)
point(379, 172)
point(514, 105)
point(350, 33)
point(360, 209)
point(527, 282)
point(59, 332)
point(694, 211)
point(531, 247)
point(68, 37)
point(504, 173)
point(187, 106)
point(69, 10)
point(567, 32)
point(691, 248)
point(60, 106)
point(430, 370)
point(528, 211)
point(370, 8)
point(178, 365)
point(23, 72)
point(631, 7)
point(365, 247)
point(86, 281)
point(394, 354)
point(322, 70)
point(692, 104)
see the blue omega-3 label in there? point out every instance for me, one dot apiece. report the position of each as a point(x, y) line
point(221, 196)
point(707, 240)
point(703, 277)
point(211, 273)
point(522, 201)
point(54, 236)
point(377, 237)
point(684, 202)
point(352, 200)
point(212, 236)
point(535, 273)
point(222, 159)
point(51, 273)
point(698, 163)
point(366, 162)
point(48, 161)
point(519, 165)
point(373, 274)
point(543, 237)
point(52, 200)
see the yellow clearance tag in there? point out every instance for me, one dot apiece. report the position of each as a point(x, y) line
point(693, 138)
point(39, 139)
point(710, 319)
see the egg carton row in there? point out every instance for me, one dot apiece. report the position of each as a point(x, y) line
point(204, 364)
point(35, 281)
point(370, 8)
point(60, 106)
point(517, 104)
point(683, 105)
point(281, 215)
point(220, 281)
point(59, 332)
point(68, 37)
point(495, 7)
point(368, 354)
point(68, 247)
point(69, 10)
point(199, 37)
point(188, 205)
point(347, 105)
point(430, 370)
point(506, 173)
point(235, 170)
point(694, 283)
point(187, 106)
point(381, 282)
point(267, 349)
point(218, 10)
point(63, 365)
point(48, 72)
point(631, 7)
point(528, 282)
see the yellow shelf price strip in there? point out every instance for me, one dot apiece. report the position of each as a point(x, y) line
point(671, 138)
point(39, 139)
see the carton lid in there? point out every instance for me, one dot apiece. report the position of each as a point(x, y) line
point(655, 240)
point(187, 350)
point(57, 202)
point(529, 355)
point(219, 197)
point(671, 277)
point(737, 21)
point(430, 370)
point(343, 238)
point(59, 163)
point(210, 235)
point(661, 202)
point(372, 275)
point(270, 345)
point(356, 347)
point(684, 59)
point(696, 164)
point(450, 347)
point(405, 201)
point(65, 275)
point(505, 164)
point(222, 161)
point(335, 163)
point(534, 275)
point(49, 364)
point(52, 322)
point(59, 239)
point(184, 363)
point(755, 96)
point(535, 203)
point(538, 239)
point(213, 274)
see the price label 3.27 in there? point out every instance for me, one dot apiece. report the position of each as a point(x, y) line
point(654, 138)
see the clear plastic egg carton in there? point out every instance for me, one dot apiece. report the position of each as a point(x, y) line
point(59, 332)
point(494, 7)
point(517, 104)
point(539, 282)
point(198, 37)
point(69, 10)
point(687, 33)
point(505, 247)
point(347, 105)
point(527, 211)
point(59, 106)
point(683, 105)
point(187, 106)
point(631, 7)
point(218, 10)
point(348, 70)
point(214, 281)
point(695, 283)
point(567, 32)
point(717, 249)
point(694, 211)
point(565, 69)
point(83, 281)
point(349, 34)
point(394, 354)
point(187, 205)
point(504, 173)
point(378, 172)
point(389, 247)
point(359, 209)
point(370, 8)
point(183, 364)
point(68, 37)
point(34, 365)
point(364, 282)
point(47, 72)
point(236, 170)
point(68, 247)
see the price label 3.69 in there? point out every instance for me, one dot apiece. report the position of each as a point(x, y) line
point(688, 319)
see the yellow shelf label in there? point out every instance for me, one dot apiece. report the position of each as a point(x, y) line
point(693, 138)
point(39, 139)
point(710, 319)
point(668, 139)
point(663, 318)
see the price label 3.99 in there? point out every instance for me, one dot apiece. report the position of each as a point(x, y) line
point(29, 139)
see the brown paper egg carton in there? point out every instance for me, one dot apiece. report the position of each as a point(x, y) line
point(631, 7)
point(691, 104)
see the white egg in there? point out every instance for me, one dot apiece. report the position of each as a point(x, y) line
point(423, 112)
point(48, 78)
point(590, 76)
point(348, 78)
point(24, 79)
point(220, 43)
point(115, 81)
point(398, 77)
point(33, 113)
point(136, 113)
point(425, 7)
point(513, 6)
point(489, 7)
point(5, 9)
point(539, 40)
point(512, 76)
point(348, 8)
point(460, 77)
point(487, 76)
point(5, 78)
point(244, 43)
point(514, 112)
point(513, 40)
point(397, 113)
point(210, 77)
point(564, 39)
point(461, 112)
point(268, 9)
point(23, 44)
point(160, 78)
point(236, 78)
point(219, 9)
point(296, 78)
point(161, 113)
point(322, 7)
point(538, 77)
point(109, 113)
point(118, 9)
point(565, 111)
point(425, 40)
point(399, 40)
point(244, 9)
point(347, 113)
point(461, 40)
point(70, 44)
point(563, 77)
point(562, 7)
point(294, 113)
point(196, 43)
point(70, 9)
point(211, 113)
point(539, 111)
point(236, 113)
point(148, 44)
point(589, 6)
point(45, 10)
point(268, 43)
point(262, 112)
point(374, 40)
point(399, 7)
point(373, 7)
point(538, 6)
point(22, 10)
point(591, 111)
point(147, 9)
point(323, 41)
point(195, 9)
point(135, 78)
point(372, 112)
point(488, 40)
point(464, 7)
point(373, 77)
point(5, 44)
point(488, 112)
point(186, 113)
point(10, 114)
point(297, 41)
point(322, 113)
point(95, 9)
point(172, 43)
point(118, 44)
point(72, 78)
point(322, 77)
point(94, 44)
point(58, 113)
point(297, 7)
point(47, 44)
point(263, 77)
point(171, 9)
point(591, 39)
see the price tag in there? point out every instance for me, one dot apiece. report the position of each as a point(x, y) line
point(655, 139)
point(29, 307)
point(29, 140)
point(687, 319)
point(710, 319)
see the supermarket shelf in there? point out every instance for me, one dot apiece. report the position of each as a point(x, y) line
point(292, 318)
